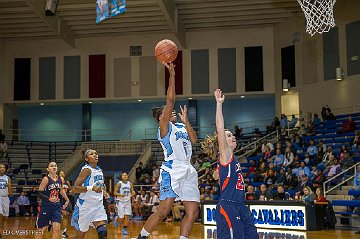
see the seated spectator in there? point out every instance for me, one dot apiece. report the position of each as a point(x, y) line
point(3, 147)
point(156, 171)
point(303, 131)
point(281, 177)
point(303, 170)
point(270, 179)
point(281, 194)
point(269, 144)
point(356, 141)
point(283, 121)
point(303, 183)
point(13, 204)
point(319, 178)
point(357, 178)
point(238, 132)
point(135, 203)
point(267, 153)
point(293, 121)
point(250, 194)
point(321, 144)
point(295, 169)
point(319, 196)
point(178, 207)
point(313, 172)
point(316, 121)
point(308, 196)
point(343, 151)
point(347, 161)
point(307, 159)
point(24, 204)
point(278, 159)
point(312, 149)
point(264, 194)
point(328, 156)
point(260, 173)
point(348, 126)
point(319, 155)
point(291, 179)
point(252, 168)
point(153, 203)
point(139, 171)
point(326, 114)
point(333, 170)
point(33, 198)
point(208, 195)
point(288, 157)
point(274, 125)
point(202, 194)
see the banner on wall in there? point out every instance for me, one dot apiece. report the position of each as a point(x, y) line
point(117, 7)
point(102, 10)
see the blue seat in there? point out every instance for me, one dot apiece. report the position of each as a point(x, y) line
point(354, 192)
point(256, 184)
point(346, 203)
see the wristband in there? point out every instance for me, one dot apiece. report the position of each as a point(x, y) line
point(89, 188)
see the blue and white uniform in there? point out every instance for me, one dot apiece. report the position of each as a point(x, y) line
point(89, 206)
point(233, 217)
point(178, 178)
point(4, 195)
point(123, 204)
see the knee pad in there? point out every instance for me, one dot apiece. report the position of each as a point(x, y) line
point(102, 231)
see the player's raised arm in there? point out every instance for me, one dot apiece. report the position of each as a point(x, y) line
point(225, 150)
point(184, 118)
point(170, 101)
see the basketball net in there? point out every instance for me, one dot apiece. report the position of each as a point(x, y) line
point(319, 15)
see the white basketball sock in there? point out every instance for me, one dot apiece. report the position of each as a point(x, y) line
point(182, 237)
point(144, 233)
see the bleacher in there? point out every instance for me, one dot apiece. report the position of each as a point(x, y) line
point(28, 160)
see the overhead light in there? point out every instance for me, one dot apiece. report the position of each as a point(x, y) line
point(242, 97)
point(285, 85)
point(339, 74)
point(90, 102)
point(139, 100)
point(42, 103)
point(189, 98)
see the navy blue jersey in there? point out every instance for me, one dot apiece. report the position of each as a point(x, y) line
point(52, 189)
point(232, 188)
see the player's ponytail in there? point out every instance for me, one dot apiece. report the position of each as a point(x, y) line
point(156, 112)
point(210, 146)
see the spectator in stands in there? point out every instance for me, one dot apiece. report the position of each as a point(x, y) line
point(261, 173)
point(312, 149)
point(250, 194)
point(252, 168)
point(307, 159)
point(139, 171)
point(288, 157)
point(283, 121)
point(267, 143)
point(33, 198)
point(274, 125)
point(156, 171)
point(333, 170)
point(267, 153)
point(303, 130)
point(319, 155)
point(347, 161)
point(291, 179)
point(238, 132)
point(13, 204)
point(280, 194)
point(348, 126)
point(178, 207)
point(319, 178)
point(323, 113)
point(135, 203)
point(313, 172)
point(278, 159)
point(153, 203)
point(24, 204)
point(304, 181)
point(356, 141)
point(303, 170)
point(3, 147)
point(308, 196)
point(270, 179)
point(264, 194)
point(321, 144)
point(316, 121)
point(319, 196)
point(357, 178)
point(202, 194)
point(328, 156)
point(293, 121)
point(281, 177)
point(283, 135)
point(343, 151)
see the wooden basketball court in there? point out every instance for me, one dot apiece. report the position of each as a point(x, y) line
point(25, 225)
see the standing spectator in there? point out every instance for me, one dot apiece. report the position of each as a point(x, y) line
point(348, 126)
point(274, 125)
point(24, 204)
point(281, 194)
point(283, 121)
point(319, 196)
point(33, 198)
point(238, 132)
point(3, 147)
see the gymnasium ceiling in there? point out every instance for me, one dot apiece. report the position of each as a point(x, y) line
point(25, 19)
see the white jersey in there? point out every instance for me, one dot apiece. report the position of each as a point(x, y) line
point(4, 184)
point(176, 144)
point(96, 178)
point(124, 189)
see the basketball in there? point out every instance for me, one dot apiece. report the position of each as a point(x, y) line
point(166, 50)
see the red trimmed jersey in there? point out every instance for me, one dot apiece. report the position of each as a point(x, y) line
point(232, 187)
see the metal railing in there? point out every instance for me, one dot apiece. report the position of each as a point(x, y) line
point(250, 148)
point(144, 158)
point(331, 188)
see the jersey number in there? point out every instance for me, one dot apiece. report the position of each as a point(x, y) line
point(54, 193)
point(240, 182)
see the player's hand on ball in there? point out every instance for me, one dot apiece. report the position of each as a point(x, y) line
point(219, 96)
point(171, 67)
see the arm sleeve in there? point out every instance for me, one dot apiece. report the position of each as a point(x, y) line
point(42, 195)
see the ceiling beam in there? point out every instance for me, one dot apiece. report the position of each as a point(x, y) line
point(56, 24)
point(168, 8)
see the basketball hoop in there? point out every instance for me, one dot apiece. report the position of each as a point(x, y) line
point(319, 15)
